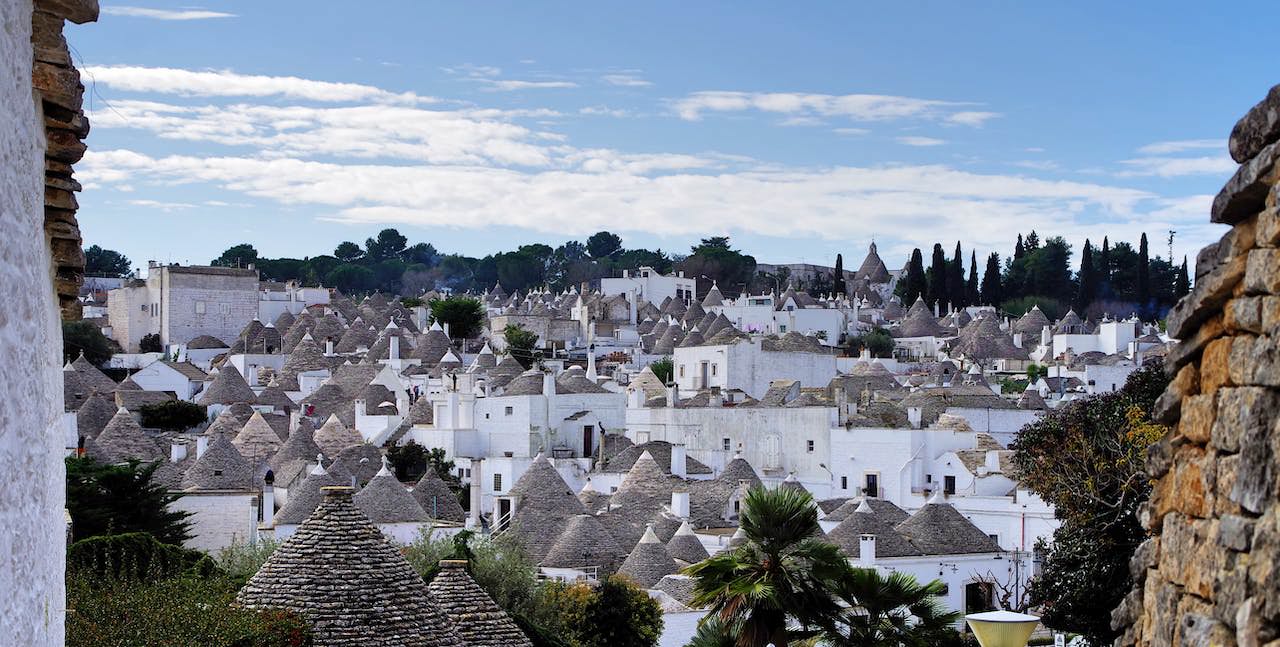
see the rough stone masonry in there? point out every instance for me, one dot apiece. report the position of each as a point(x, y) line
point(1210, 572)
point(55, 77)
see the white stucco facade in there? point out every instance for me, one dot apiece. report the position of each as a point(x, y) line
point(748, 367)
point(219, 518)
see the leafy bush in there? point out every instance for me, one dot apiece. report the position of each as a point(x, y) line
point(620, 614)
point(521, 344)
point(135, 555)
point(242, 560)
point(878, 342)
point(464, 315)
point(150, 343)
point(177, 611)
point(174, 415)
point(664, 369)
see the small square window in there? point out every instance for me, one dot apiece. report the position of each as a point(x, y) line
point(497, 482)
point(809, 446)
point(949, 485)
point(508, 411)
point(217, 472)
point(728, 444)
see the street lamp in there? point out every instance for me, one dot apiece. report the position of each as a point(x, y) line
point(1002, 628)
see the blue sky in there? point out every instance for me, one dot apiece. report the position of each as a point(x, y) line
point(799, 131)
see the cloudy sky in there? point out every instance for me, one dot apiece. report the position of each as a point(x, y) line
point(800, 132)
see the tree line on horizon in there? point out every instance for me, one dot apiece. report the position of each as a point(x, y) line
point(1114, 280)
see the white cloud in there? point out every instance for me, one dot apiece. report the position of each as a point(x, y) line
point(859, 107)
point(1178, 166)
point(802, 121)
point(915, 140)
point(1034, 149)
point(225, 83)
point(512, 85)
point(471, 69)
point(625, 80)
point(851, 131)
point(1181, 146)
point(973, 118)
point(164, 14)
point(1037, 165)
point(604, 111)
point(162, 206)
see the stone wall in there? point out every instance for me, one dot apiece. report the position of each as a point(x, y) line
point(62, 94)
point(1210, 573)
point(33, 535)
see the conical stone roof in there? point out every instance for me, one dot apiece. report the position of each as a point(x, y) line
point(333, 437)
point(583, 542)
point(94, 415)
point(228, 387)
point(648, 561)
point(257, 441)
point(307, 355)
point(273, 396)
point(545, 504)
point(221, 467)
point(872, 268)
point(685, 545)
point(123, 439)
point(304, 498)
point(435, 497)
point(1031, 323)
point(353, 587)
point(384, 500)
point(478, 619)
point(226, 424)
point(299, 446)
point(361, 461)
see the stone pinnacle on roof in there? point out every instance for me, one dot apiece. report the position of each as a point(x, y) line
point(352, 586)
point(478, 619)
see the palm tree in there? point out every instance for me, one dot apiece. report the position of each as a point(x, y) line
point(782, 575)
point(890, 611)
point(712, 632)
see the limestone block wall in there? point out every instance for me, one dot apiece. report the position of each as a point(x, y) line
point(1210, 573)
point(55, 77)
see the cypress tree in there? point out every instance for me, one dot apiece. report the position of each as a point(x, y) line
point(937, 288)
point(1103, 274)
point(916, 284)
point(1181, 282)
point(1018, 248)
point(991, 288)
point(1144, 276)
point(1033, 241)
point(955, 279)
point(1088, 283)
point(971, 288)
point(839, 278)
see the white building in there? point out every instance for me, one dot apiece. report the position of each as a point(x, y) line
point(180, 303)
point(751, 365)
point(276, 298)
point(651, 285)
point(183, 379)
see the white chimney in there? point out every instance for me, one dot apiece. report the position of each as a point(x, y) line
point(177, 452)
point(548, 384)
point(1017, 339)
point(680, 504)
point(993, 461)
point(328, 347)
point(394, 351)
point(914, 416)
point(268, 502)
point(673, 395)
point(678, 463)
point(473, 519)
point(867, 550)
point(202, 443)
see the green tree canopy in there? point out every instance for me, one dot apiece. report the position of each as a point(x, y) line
point(603, 244)
point(351, 278)
point(172, 415)
point(105, 262)
point(389, 243)
point(521, 344)
point(464, 316)
point(992, 293)
point(241, 255)
point(347, 251)
point(85, 337)
point(713, 260)
point(112, 499)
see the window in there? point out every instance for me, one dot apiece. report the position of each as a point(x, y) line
point(844, 482)
point(497, 482)
point(928, 478)
point(682, 370)
point(508, 411)
point(948, 485)
point(873, 485)
point(145, 308)
point(217, 472)
point(727, 444)
point(200, 307)
point(713, 370)
point(486, 416)
point(995, 538)
point(808, 446)
point(782, 327)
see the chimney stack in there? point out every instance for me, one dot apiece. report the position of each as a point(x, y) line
point(680, 504)
point(867, 550)
point(202, 444)
point(678, 463)
point(473, 519)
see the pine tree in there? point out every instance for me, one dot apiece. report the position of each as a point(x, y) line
point(1033, 241)
point(991, 288)
point(1018, 248)
point(1103, 274)
point(971, 288)
point(955, 279)
point(839, 286)
point(1144, 276)
point(1182, 282)
point(916, 284)
point(1088, 279)
point(937, 289)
